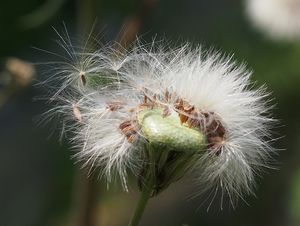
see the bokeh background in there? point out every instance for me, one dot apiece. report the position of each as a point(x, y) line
point(40, 184)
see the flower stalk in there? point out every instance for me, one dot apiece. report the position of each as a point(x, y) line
point(145, 195)
point(169, 154)
point(170, 150)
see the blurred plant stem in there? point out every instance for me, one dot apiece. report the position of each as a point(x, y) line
point(41, 15)
point(6, 94)
point(88, 192)
point(133, 25)
point(87, 13)
point(143, 200)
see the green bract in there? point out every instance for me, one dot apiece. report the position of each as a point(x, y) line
point(172, 148)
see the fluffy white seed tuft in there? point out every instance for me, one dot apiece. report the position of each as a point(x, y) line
point(104, 94)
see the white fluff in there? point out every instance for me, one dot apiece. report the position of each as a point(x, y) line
point(279, 19)
point(207, 80)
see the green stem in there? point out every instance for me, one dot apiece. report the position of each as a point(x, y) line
point(144, 197)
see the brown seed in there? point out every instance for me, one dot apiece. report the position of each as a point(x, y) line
point(125, 124)
point(77, 113)
point(145, 99)
point(166, 112)
point(129, 129)
point(82, 78)
point(167, 95)
point(114, 105)
point(132, 138)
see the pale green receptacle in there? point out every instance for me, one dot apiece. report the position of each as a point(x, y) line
point(168, 132)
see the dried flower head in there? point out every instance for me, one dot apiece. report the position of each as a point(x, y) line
point(22, 73)
point(163, 113)
point(278, 19)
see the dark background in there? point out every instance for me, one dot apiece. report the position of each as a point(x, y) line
point(40, 184)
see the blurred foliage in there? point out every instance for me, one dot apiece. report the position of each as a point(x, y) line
point(39, 181)
point(295, 199)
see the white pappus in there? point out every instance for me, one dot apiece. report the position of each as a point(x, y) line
point(105, 89)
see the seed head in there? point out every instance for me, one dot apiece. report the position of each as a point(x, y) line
point(167, 113)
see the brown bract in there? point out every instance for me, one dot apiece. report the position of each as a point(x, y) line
point(206, 121)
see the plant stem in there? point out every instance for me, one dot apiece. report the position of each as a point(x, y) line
point(143, 200)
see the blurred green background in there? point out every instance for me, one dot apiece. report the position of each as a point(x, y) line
point(40, 184)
